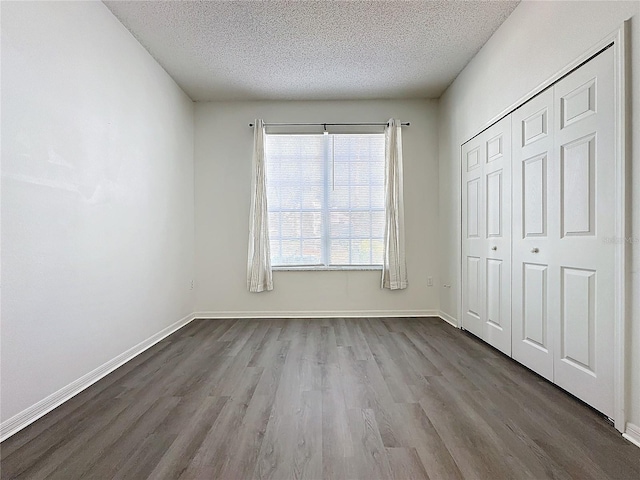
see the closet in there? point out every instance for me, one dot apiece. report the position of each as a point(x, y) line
point(538, 206)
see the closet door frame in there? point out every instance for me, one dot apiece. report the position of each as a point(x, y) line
point(618, 41)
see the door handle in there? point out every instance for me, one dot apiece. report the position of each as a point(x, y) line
point(535, 250)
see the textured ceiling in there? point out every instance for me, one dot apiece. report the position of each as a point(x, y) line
point(286, 50)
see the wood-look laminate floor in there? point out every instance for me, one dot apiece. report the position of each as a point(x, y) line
point(320, 399)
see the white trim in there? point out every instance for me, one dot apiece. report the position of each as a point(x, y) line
point(318, 314)
point(620, 51)
point(448, 318)
point(632, 433)
point(460, 213)
point(44, 406)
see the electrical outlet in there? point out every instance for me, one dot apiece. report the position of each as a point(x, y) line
point(429, 281)
point(191, 287)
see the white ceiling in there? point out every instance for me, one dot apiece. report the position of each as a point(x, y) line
point(312, 50)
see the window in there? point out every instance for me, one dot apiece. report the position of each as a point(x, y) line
point(325, 196)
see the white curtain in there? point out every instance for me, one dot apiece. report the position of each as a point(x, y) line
point(259, 276)
point(394, 272)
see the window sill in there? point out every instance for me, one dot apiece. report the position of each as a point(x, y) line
point(324, 268)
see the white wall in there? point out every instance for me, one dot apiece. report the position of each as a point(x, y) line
point(223, 148)
point(534, 43)
point(97, 196)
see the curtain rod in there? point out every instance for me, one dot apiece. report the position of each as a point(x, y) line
point(325, 125)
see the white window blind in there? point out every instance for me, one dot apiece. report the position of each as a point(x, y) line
point(325, 196)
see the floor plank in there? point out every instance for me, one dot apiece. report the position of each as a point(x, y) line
point(361, 398)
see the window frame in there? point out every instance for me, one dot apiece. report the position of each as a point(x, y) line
point(325, 239)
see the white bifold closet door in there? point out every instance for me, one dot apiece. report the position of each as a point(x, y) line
point(486, 233)
point(563, 211)
point(534, 167)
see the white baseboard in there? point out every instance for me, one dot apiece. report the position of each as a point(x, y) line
point(318, 314)
point(44, 406)
point(632, 433)
point(448, 318)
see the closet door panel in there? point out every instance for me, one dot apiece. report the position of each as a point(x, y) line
point(583, 299)
point(497, 183)
point(534, 306)
point(534, 196)
point(534, 164)
point(473, 221)
point(495, 210)
point(474, 191)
